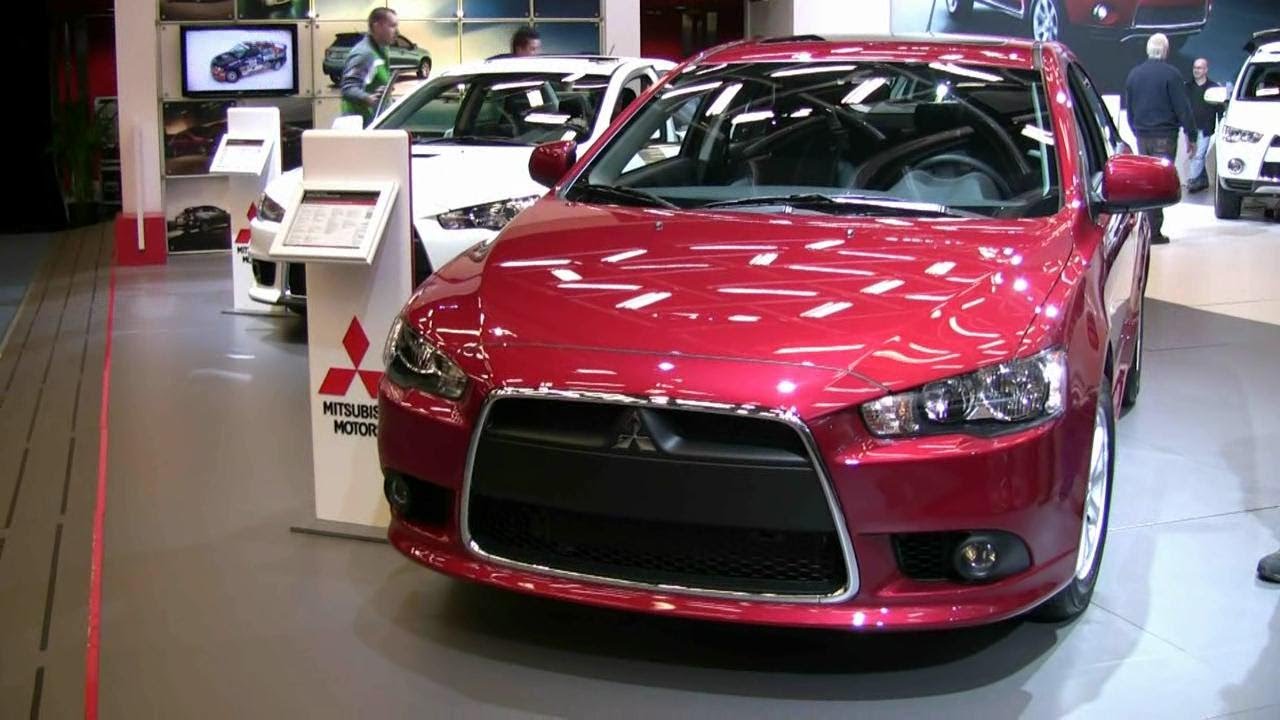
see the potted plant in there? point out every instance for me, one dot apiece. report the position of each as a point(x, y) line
point(79, 133)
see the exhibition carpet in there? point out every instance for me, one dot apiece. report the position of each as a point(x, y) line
point(20, 259)
point(50, 380)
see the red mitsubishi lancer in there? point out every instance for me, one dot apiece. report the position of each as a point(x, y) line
point(822, 333)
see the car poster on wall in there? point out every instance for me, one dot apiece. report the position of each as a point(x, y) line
point(196, 9)
point(1109, 38)
point(191, 132)
point(273, 9)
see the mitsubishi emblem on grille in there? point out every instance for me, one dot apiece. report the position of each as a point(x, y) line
point(633, 435)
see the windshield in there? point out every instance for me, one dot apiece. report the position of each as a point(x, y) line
point(239, 49)
point(906, 138)
point(503, 108)
point(1261, 82)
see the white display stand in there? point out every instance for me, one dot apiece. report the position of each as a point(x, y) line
point(354, 291)
point(249, 156)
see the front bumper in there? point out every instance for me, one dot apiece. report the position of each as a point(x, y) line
point(1030, 484)
point(274, 282)
point(1260, 174)
point(1143, 21)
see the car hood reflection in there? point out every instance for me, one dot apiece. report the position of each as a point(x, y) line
point(898, 301)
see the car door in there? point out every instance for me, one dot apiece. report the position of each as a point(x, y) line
point(1125, 249)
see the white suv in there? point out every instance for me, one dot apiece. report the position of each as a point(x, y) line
point(474, 127)
point(1248, 139)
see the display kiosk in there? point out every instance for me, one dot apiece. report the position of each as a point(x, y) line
point(350, 223)
point(249, 156)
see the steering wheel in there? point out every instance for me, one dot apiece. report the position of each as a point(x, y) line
point(973, 163)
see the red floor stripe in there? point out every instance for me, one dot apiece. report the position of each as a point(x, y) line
point(99, 514)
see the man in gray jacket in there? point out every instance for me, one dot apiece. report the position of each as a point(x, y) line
point(368, 68)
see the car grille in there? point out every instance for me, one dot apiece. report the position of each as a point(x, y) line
point(1168, 16)
point(1238, 185)
point(297, 279)
point(704, 501)
point(264, 273)
point(927, 556)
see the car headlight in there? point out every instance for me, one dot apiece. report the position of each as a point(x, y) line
point(269, 210)
point(992, 400)
point(413, 362)
point(489, 216)
point(1237, 135)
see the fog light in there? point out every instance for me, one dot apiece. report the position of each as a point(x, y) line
point(1101, 12)
point(1235, 166)
point(399, 493)
point(976, 558)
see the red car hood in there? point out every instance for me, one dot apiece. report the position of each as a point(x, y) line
point(896, 301)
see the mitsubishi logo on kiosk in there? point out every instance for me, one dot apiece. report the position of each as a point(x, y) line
point(352, 418)
point(350, 224)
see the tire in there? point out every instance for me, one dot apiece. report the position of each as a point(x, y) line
point(277, 64)
point(424, 68)
point(1045, 20)
point(1226, 204)
point(233, 76)
point(1133, 381)
point(1071, 601)
point(960, 8)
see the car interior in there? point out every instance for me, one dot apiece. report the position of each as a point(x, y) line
point(912, 135)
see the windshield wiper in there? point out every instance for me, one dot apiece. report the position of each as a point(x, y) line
point(614, 192)
point(859, 204)
point(470, 140)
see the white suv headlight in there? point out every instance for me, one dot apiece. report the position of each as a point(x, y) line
point(269, 210)
point(489, 216)
point(413, 362)
point(1237, 135)
point(994, 399)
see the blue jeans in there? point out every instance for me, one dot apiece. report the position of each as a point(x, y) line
point(1195, 166)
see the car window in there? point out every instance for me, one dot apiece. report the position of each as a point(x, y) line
point(632, 89)
point(977, 139)
point(1095, 145)
point(1098, 108)
point(524, 108)
point(1261, 82)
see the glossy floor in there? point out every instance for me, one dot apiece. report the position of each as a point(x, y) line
point(211, 603)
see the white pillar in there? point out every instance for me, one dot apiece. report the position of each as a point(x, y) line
point(621, 27)
point(776, 18)
point(138, 91)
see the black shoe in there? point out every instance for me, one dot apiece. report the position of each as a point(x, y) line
point(1197, 187)
point(1160, 239)
point(1269, 567)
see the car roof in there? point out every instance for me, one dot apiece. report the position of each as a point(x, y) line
point(972, 49)
point(1267, 53)
point(586, 64)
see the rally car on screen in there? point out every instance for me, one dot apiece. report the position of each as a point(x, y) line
point(473, 129)
point(247, 58)
point(850, 357)
point(1049, 20)
point(1248, 141)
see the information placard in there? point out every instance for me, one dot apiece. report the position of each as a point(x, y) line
point(240, 156)
point(335, 222)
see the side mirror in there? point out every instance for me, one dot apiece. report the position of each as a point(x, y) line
point(550, 161)
point(1216, 95)
point(1137, 182)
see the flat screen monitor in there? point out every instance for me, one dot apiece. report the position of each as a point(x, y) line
point(239, 60)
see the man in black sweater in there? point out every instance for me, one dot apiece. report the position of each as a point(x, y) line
point(1206, 122)
point(1156, 99)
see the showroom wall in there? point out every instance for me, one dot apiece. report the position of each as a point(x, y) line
point(773, 18)
point(179, 129)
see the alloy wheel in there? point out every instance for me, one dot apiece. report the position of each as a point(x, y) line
point(1095, 501)
point(1044, 20)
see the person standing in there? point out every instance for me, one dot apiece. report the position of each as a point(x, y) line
point(1156, 98)
point(368, 69)
point(1206, 116)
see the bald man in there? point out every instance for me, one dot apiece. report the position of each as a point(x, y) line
point(1206, 116)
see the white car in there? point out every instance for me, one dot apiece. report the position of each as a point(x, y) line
point(1248, 138)
point(474, 127)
